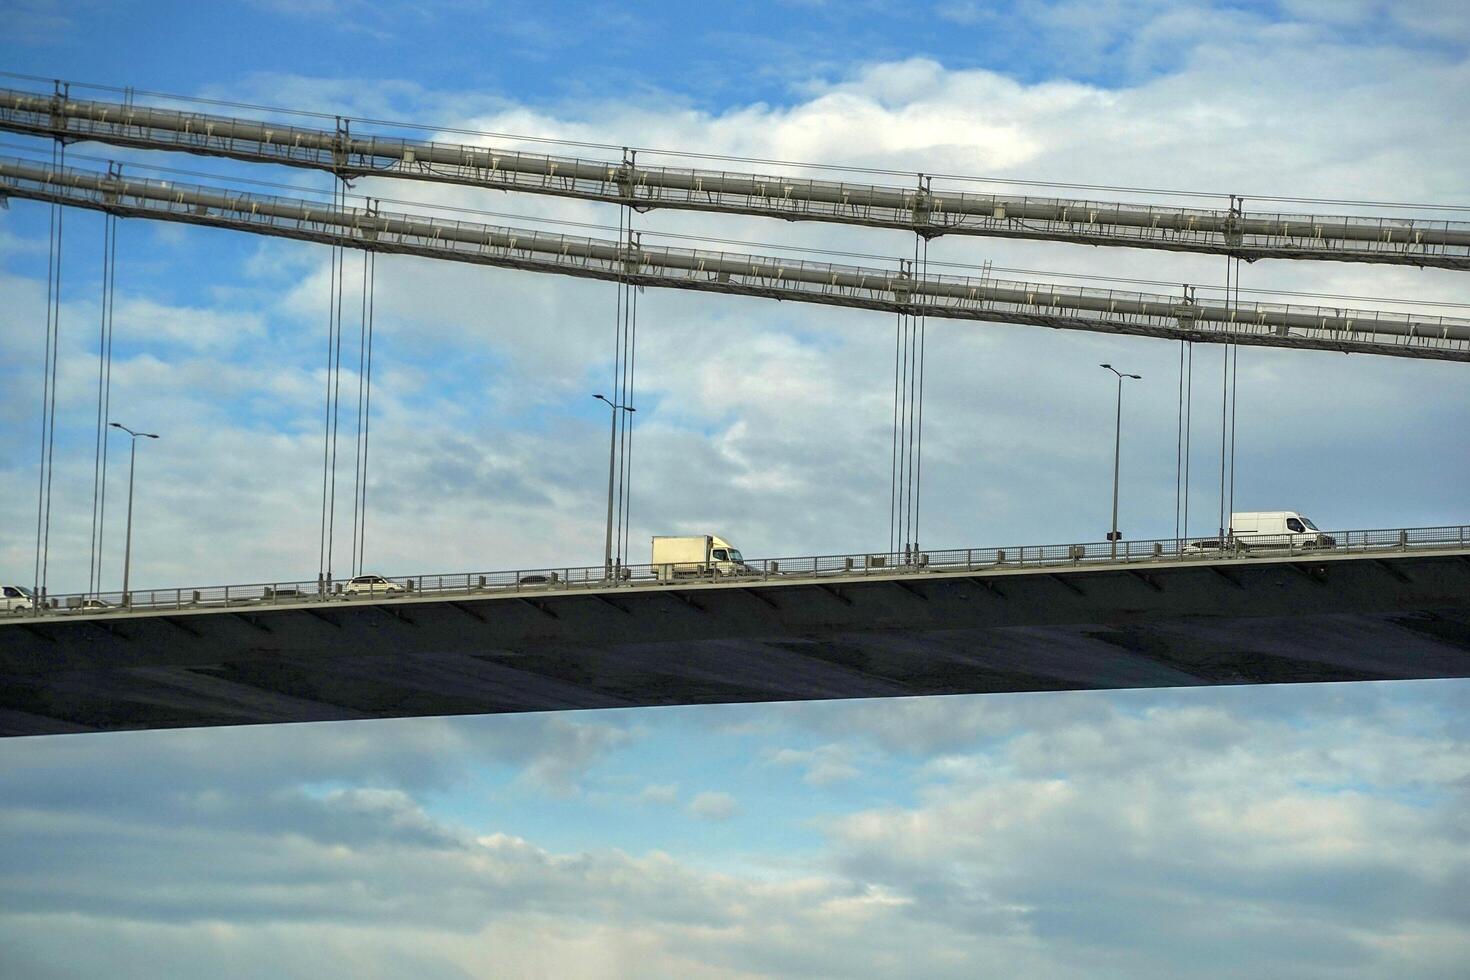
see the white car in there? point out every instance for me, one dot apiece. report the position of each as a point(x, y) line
point(371, 585)
point(16, 598)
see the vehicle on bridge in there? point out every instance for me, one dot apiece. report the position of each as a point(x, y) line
point(371, 585)
point(16, 598)
point(1266, 530)
point(700, 555)
point(1276, 529)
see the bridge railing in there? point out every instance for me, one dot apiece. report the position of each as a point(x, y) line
point(531, 581)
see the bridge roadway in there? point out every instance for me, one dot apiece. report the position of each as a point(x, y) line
point(1326, 616)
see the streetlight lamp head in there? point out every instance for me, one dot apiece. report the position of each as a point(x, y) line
point(1136, 377)
point(630, 408)
point(115, 425)
point(150, 435)
point(1105, 365)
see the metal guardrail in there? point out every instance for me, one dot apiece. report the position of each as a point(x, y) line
point(828, 567)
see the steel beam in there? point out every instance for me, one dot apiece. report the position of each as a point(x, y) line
point(921, 208)
point(951, 297)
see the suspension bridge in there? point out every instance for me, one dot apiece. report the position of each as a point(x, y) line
point(911, 620)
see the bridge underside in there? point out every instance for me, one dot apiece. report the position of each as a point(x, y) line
point(1342, 618)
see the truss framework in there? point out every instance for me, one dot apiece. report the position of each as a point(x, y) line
point(953, 297)
point(924, 209)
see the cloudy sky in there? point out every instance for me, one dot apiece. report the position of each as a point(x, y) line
point(1303, 832)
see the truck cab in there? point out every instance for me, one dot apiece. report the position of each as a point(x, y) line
point(1253, 530)
point(697, 555)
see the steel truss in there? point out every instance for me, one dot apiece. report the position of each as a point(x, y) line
point(951, 297)
point(924, 209)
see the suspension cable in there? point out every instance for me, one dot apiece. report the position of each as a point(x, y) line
point(329, 430)
point(48, 392)
point(1224, 413)
point(367, 409)
point(904, 429)
point(1179, 453)
point(1188, 427)
point(106, 407)
point(104, 373)
point(919, 451)
point(626, 503)
point(335, 379)
point(357, 476)
point(1234, 385)
point(612, 558)
point(893, 461)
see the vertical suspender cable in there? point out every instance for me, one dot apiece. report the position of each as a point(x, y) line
point(628, 400)
point(893, 463)
point(1224, 413)
point(327, 412)
point(919, 452)
point(109, 231)
point(628, 434)
point(357, 442)
point(334, 395)
point(45, 393)
point(367, 409)
point(1234, 384)
point(614, 487)
point(321, 561)
point(910, 379)
point(1188, 427)
point(630, 309)
point(106, 407)
point(48, 389)
point(336, 382)
point(903, 436)
point(1179, 452)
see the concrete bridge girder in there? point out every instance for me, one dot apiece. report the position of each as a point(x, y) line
point(1240, 622)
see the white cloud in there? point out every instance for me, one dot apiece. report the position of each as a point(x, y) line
point(825, 764)
point(712, 805)
point(1156, 833)
point(660, 794)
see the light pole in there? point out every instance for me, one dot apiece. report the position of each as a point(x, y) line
point(612, 455)
point(128, 546)
point(1115, 534)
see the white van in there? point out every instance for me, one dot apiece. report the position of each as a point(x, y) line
point(1277, 529)
point(15, 598)
point(697, 554)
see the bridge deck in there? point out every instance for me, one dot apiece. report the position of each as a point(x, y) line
point(1324, 617)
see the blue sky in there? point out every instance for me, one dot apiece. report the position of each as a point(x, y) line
point(1306, 831)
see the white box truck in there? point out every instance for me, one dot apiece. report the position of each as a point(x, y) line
point(1276, 529)
point(687, 556)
